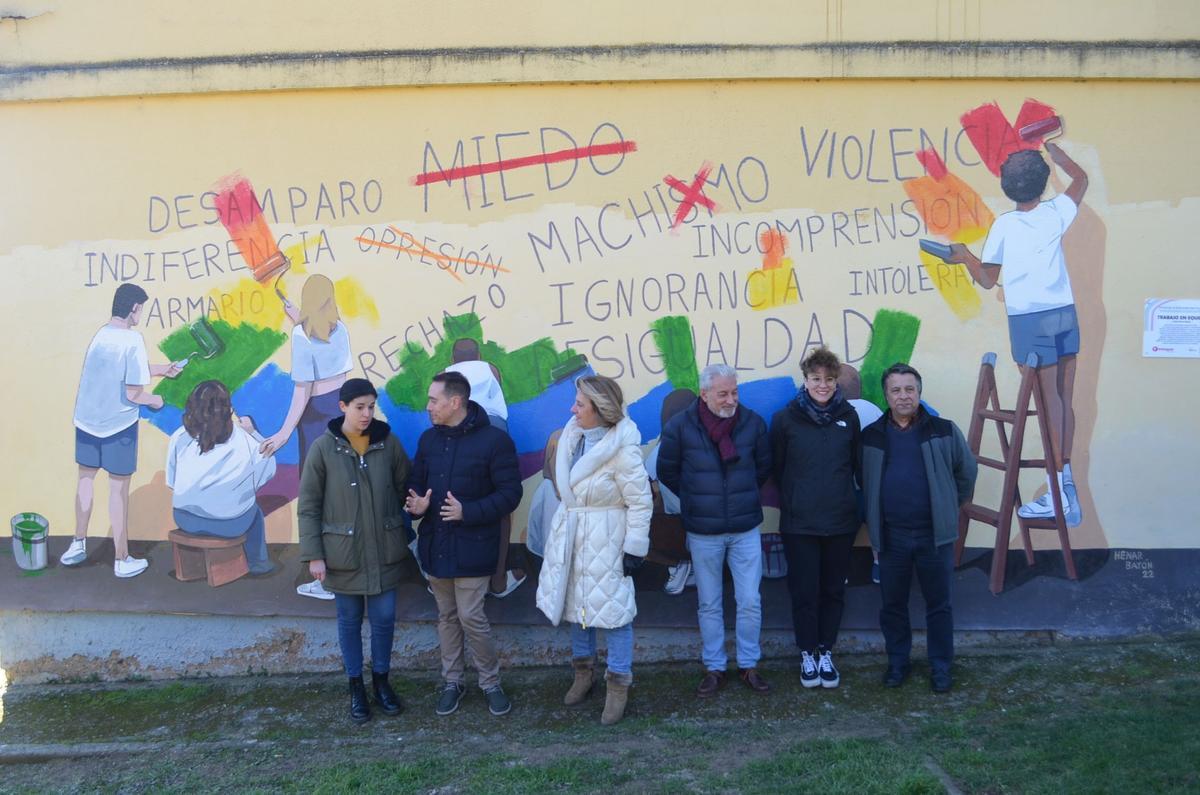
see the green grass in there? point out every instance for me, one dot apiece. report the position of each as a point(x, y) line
point(1075, 718)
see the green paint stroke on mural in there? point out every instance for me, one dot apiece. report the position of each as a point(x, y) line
point(524, 373)
point(893, 339)
point(246, 348)
point(673, 338)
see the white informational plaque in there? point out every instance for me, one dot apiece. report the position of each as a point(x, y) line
point(1171, 328)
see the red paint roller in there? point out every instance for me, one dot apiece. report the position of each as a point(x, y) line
point(1042, 130)
point(242, 216)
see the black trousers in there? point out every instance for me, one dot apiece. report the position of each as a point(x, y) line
point(903, 553)
point(816, 578)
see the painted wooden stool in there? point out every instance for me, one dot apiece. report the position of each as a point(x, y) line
point(221, 560)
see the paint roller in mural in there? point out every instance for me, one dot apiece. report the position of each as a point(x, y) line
point(1024, 247)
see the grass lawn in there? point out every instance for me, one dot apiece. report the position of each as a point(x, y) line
point(1097, 717)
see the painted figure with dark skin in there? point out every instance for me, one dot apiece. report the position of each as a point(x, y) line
point(1025, 246)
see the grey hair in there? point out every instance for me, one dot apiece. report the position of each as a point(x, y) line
point(715, 371)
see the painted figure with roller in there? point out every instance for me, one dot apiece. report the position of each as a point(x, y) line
point(1025, 246)
point(112, 387)
point(321, 356)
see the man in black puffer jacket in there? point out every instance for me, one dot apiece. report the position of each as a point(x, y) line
point(715, 456)
point(464, 481)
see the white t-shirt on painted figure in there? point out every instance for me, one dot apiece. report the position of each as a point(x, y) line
point(485, 389)
point(115, 359)
point(1029, 247)
point(219, 484)
point(313, 360)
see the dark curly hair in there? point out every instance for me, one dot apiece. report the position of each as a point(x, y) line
point(821, 359)
point(208, 415)
point(1023, 176)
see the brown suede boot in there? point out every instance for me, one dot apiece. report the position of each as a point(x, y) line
point(616, 688)
point(581, 688)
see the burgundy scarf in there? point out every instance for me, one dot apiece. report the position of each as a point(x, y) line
point(720, 430)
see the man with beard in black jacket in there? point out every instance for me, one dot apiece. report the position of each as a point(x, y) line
point(464, 481)
point(715, 456)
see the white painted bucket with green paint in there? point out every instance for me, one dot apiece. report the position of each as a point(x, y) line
point(29, 531)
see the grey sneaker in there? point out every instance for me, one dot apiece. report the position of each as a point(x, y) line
point(498, 703)
point(452, 696)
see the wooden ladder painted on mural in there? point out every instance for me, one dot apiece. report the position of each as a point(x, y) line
point(987, 409)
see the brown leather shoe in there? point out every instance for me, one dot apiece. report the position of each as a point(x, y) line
point(753, 680)
point(710, 684)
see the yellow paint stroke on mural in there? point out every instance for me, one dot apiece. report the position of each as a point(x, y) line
point(247, 302)
point(774, 284)
point(353, 300)
point(954, 284)
point(298, 254)
point(952, 210)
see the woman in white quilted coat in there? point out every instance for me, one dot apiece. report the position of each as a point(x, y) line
point(600, 534)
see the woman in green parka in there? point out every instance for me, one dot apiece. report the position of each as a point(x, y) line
point(352, 535)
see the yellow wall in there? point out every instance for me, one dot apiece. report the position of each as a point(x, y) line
point(79, 174)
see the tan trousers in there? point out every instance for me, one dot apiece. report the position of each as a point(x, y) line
point(460, 613)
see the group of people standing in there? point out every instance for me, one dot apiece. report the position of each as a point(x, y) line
point(907, 474)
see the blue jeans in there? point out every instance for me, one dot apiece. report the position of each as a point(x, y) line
point(381, 612)
point(620, 646)
point(744, 552)
point(252, 523)
point(902, 552)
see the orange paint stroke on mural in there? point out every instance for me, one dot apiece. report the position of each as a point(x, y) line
point(948, 205)
point(952, 210)
point(774, 284)
point(773, 243)
point(420, 249)
point(353, 300)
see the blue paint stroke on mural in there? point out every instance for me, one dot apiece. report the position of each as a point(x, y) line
point(768, 395)
point(167, 419)
point(407, 425)
point(531, 422)
point(265, 397)
point(646, 411)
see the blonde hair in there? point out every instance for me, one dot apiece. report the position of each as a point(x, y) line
point(318, 309)
point(605, 395)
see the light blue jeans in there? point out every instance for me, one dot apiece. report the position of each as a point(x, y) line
point(744, 553)
point(620, 646)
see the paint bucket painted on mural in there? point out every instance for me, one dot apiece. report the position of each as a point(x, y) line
point(29, 532)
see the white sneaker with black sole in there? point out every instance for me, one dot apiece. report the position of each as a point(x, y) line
point(808, 671)
point(827, 672)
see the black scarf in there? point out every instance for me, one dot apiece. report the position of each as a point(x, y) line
point(820, 415)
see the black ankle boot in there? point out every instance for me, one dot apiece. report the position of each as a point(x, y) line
point(385, 697)
point(360, 710)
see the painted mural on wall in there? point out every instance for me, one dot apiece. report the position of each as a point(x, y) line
point(222, 337)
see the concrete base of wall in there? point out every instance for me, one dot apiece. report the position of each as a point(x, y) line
point(48, 647)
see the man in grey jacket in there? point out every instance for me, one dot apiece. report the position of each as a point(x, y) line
point(917, 473)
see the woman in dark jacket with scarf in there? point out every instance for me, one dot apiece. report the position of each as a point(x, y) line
point(352, 535)
point(815, 451)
